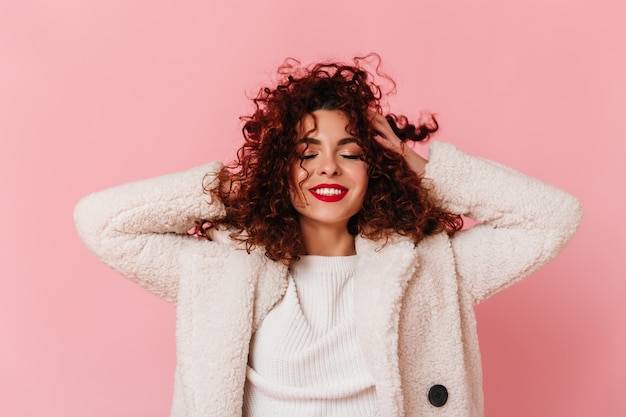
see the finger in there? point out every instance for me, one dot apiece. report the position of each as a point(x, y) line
point(387, 137)
point(380, 123)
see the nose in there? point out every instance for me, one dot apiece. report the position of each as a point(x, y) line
point(328, 166)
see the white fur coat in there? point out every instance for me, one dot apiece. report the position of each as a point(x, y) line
point(413, 304)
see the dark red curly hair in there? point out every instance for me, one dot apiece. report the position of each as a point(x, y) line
point(256, 187)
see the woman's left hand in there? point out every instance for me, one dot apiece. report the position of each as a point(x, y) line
point(389, 140)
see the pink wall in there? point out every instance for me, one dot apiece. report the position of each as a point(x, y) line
point(95, 93)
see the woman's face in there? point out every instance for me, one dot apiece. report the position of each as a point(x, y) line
point(330, 179)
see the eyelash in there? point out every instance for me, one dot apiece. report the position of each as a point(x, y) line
point(350, 157)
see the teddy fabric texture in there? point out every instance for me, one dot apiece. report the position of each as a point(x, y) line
point(413, 304)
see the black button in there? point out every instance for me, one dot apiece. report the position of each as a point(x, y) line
point(438, 395)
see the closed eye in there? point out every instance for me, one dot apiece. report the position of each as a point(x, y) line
point(355, 157)
point(305, 157)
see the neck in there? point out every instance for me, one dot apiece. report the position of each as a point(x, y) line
point(327, 241)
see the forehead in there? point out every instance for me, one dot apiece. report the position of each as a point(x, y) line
point(326, 122)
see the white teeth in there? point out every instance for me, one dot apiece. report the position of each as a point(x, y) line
point(328, 191)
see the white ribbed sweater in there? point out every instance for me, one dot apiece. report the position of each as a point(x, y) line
point(305, 359)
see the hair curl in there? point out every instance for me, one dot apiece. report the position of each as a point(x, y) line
point(256, 187)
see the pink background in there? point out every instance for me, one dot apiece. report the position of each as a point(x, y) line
point(100, 92)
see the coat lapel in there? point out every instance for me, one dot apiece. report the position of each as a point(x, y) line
point(383, 273)
point(218, 310)
point(212, 327)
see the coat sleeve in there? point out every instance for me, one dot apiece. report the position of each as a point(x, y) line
point(524, 223)
point(140, 228)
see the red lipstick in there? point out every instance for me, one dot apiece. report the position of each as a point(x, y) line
point(329, 193)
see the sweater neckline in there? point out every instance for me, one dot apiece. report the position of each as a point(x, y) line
point(320, 263)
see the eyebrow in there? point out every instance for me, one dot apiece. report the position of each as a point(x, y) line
point(313, 141)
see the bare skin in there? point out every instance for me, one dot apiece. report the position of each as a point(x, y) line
point(332, 182)
point(325, 225)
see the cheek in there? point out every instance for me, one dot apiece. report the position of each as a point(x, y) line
point(298, 176)
point(300, 173)
point(363, 183)
point(361, 177)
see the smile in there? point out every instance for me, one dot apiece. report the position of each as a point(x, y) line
point(329, 193)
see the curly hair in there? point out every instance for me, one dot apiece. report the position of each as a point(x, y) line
point(256, 187)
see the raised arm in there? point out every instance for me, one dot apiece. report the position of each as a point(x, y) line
point(524, 222)
point(140, 228)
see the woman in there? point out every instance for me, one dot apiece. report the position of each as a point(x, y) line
point(331, 277)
